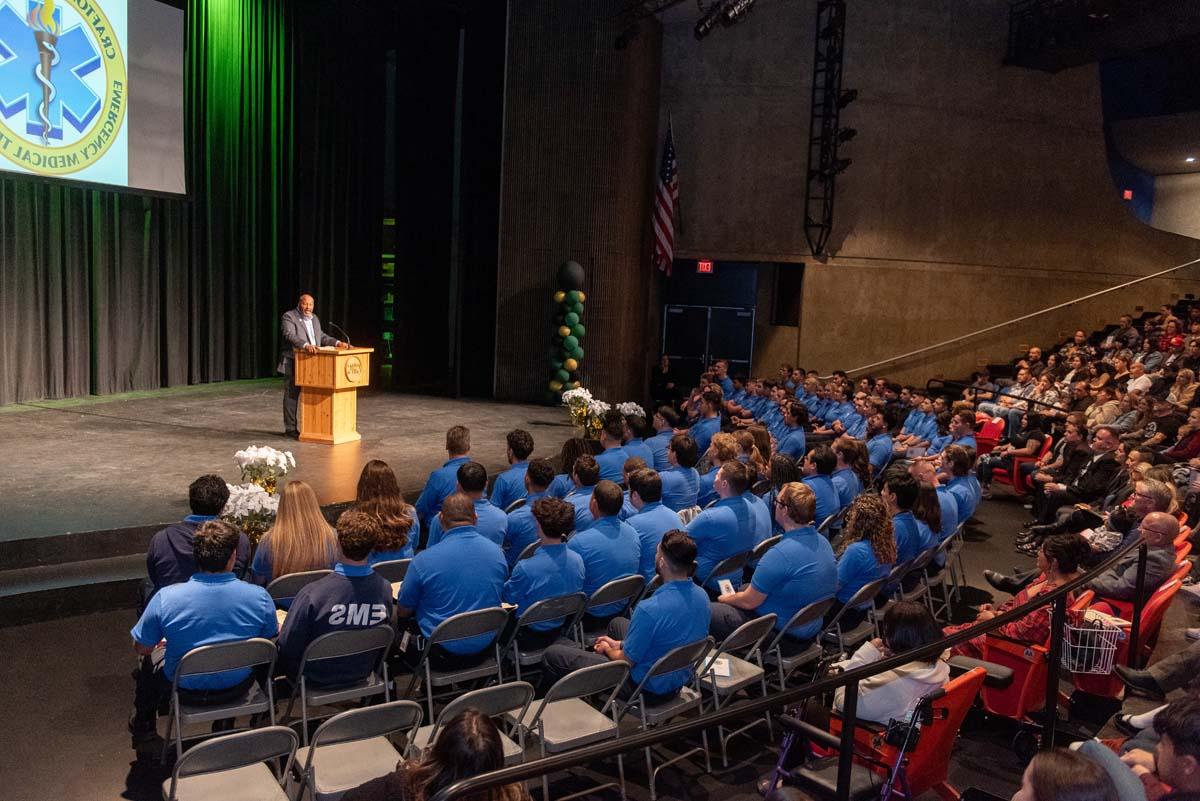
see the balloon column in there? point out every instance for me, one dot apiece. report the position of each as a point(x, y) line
point(566, 352)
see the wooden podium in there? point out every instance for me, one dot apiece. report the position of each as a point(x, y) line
point(329, 381)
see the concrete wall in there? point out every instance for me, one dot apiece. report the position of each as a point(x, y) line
point(978, 192)
point(1177, 203)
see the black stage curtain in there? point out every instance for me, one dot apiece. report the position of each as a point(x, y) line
point(104, 291)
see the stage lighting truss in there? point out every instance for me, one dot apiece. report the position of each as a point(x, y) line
point(825, 132)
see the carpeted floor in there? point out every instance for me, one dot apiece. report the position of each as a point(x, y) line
point(68, 692)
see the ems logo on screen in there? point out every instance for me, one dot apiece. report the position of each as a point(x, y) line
point(63, 84)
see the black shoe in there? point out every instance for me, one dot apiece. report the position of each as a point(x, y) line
point(141, 730)
point(1002, 582)
point(1140, 681)
point(1029, 548)
point(1121, 723)
point(292, 434)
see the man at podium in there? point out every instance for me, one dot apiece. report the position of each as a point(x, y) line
point(300, 329)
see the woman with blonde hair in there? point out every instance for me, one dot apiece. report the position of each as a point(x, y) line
point(300, 540)
point(867, 553)
point(1183, 391)
point(750, 455)
point(379, 496)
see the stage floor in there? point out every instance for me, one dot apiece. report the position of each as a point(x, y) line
point(126, 460)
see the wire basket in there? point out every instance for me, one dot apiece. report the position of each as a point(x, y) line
point(1090, 647)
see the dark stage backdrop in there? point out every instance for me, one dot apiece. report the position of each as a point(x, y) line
point(105, 292)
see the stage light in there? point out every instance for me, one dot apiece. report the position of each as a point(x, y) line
point(1190, 159)
point(847, 97)
point(735, 10)
point(706, 23)
point(838, 167)
point(846, 134)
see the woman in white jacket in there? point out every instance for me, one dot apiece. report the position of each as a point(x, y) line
point(893, 694)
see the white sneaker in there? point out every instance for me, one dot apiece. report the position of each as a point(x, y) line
point(1192, 634)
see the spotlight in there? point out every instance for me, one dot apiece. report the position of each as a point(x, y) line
point(847, 97)
point(709, 20)
point(1190, 159)
point(735, 10)
point(838, 167)
point(846, 134)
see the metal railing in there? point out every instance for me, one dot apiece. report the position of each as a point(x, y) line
point(848, 680)
point(992, 394)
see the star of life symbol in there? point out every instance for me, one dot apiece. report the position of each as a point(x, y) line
point(52, 105)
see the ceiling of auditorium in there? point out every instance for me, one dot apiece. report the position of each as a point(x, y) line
point(1160, 145)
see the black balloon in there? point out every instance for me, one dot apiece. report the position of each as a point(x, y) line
point(570, 275)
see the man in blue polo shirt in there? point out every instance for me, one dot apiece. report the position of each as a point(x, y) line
point(958, 465)
point(169, 557)
point(676, 615)
point(879, 442)
point(724, 529)
point(510, 485)
point(652, 520)
point(844, 479)
point(798, 571)
point(635, 446)
point(490, 522)
point(680, 481)
point(900, 494)
point(794, 418)
point(666, 420)
point(609, 547)
point(613, 457)
point(724, 448)
point(818, 467)
point(554, 570)
point(709, 423)
point(443, 481)
point(923, 471)
point(721, 376)
point(353, 596)
point(522, 528)
point(466, 572)
point(212, 606)
point(962, 433)
point(585, 477)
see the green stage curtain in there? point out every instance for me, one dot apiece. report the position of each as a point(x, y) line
point(104, 291)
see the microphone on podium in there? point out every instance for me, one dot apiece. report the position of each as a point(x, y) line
point(338, 328)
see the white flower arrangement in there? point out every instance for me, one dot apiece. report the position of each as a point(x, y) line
point(631, 409)
point(587, 413)
point(251, 508)
point(264, 465)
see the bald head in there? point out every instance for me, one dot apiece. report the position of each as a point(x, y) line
point(1160, 529)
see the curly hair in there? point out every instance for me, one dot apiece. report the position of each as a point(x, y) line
point(868, 520)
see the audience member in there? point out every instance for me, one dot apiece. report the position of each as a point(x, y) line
point(353, 596)
point(572, 449)
point(379, 496)
point(722, 449)
point(610, 549)
point(652, 520)
point(299, 540)
point(680, 481)
point(1173, 770)
point(490, 522)
point(635, 443)
point(522, 528)
point(1062, 775)
point(900, 492)
point(666, 420)
point(585, 476)
point(867, 553)
point(794, 418)
point(169, 558)
point(467, 745)
point(818, 469)
point(797, 571)
point(510, 485)
point(554, 570)
point(846, 479)
point(676, 614)
point(613, 456)
point(212, 606)
point(465, 573)
point(709, 423)
point(441, 482)
point(725, 529)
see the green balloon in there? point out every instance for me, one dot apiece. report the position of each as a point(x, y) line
point(577, 308)
point(556, 364)
point(577, 354)
point(570, 318)
point(562, 375)
point(578, 330)
point(570, 343)
point(573, 296)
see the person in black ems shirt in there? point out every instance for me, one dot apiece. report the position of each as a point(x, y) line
point(169, 558)
point(353, 596)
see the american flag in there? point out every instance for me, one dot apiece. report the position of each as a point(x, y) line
point(666, 199)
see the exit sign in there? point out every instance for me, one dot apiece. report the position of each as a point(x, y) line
point(704, 267)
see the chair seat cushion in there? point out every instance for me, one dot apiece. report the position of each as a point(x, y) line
point(251, 783)
point(741, 674)
point(337, 768)
point(570, 723)
point(658, 713)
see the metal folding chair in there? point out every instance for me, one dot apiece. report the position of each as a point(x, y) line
point(394, 570)
point(564, 720)
point(336, 645)
point(568, 608)
point(786, 665)
point(730, 564)
point(231, 767)
point(462, 626)
point(529, 550)
point(848, 640)
point(626, 589)
point(351, 748)
point(218, 658)
point(745, 641)
point(498, 701)
point(515, 505)
point(285, 588)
